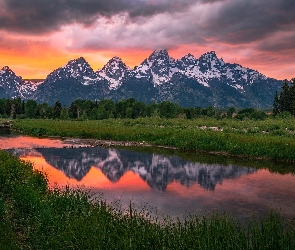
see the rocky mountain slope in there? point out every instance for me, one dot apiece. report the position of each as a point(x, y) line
point(12, 86)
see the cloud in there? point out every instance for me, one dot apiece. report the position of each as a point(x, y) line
point(154, 24)
point(42, 16)
point(240, 21)
point(279, 42)
point(97, 24)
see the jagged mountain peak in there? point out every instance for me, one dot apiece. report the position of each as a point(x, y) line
point(78, 63)
point(209, 55)
point(116, 63)
point(114, 71)
point(160, 54)
point(78, 60)
point(158, 66)
point(7, 72)
point(14, 85)
point(189, 58)
point(78, 69)
point(6, 68)
point(116, 58)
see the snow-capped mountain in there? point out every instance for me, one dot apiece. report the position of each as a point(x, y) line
point(159, 67)
point(78, 69)
point(75, 80)
point(12, 86)
point(114, 72)
point(188, 81)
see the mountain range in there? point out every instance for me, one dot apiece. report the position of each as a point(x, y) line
point(188, 81)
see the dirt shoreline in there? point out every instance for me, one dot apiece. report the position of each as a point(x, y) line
point(111, 143)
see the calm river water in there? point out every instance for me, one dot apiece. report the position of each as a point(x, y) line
point(162, 182)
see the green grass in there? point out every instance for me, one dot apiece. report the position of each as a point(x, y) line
point(268, 139)
point(34, 217)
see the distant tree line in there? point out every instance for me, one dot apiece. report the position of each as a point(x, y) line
point(105, 109)
point(285, 101)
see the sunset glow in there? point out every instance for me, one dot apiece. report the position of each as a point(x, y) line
point(93, 179)
point(36, 37)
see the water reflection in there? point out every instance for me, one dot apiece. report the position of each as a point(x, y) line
point(158, 171)
point(162, 180)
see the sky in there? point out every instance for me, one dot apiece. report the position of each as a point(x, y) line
point(38, 36)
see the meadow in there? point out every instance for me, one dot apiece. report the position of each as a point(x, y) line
point(36, 217)
point(264, 139)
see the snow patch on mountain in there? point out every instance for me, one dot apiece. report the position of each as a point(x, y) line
point(78, 69)
point(114, 72)
point(159, 67)
point(14, 85)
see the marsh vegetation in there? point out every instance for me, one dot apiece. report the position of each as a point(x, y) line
point(265, 139)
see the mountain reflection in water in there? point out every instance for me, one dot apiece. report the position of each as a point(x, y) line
point(158, 171)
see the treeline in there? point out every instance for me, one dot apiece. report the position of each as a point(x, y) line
point(104, 109)
point(284, 103)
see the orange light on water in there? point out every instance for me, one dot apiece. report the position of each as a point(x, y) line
point(29, 142)
point(93, 179)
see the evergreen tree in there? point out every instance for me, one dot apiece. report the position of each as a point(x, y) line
point(284, 100)
point(31, 107)
point(2, 107)
point(73, 111)
point(276, 104)
point(138, 110)
point(292, 98)
point(44, 110)
point(64, 114)
point(17, 102)
point(23, 108)
point(56, 110)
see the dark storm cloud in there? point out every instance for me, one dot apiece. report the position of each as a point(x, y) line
point(280, 43)
point(189, 21)
point(41, 16)
point(243, 21)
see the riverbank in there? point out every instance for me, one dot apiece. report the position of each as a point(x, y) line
point(35, 217)
point(270, 139)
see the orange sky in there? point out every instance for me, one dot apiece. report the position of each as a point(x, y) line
point(28, 64)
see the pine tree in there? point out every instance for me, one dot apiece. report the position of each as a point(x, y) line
point(56, 110)
point(284, 100)
point(292, 97)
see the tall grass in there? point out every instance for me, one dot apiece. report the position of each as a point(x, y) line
point(269, 139)
point(34, 217)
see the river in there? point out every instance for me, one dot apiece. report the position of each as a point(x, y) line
point(161, 181)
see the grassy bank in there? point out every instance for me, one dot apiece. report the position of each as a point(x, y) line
point(270, 139)
point(33, 217)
